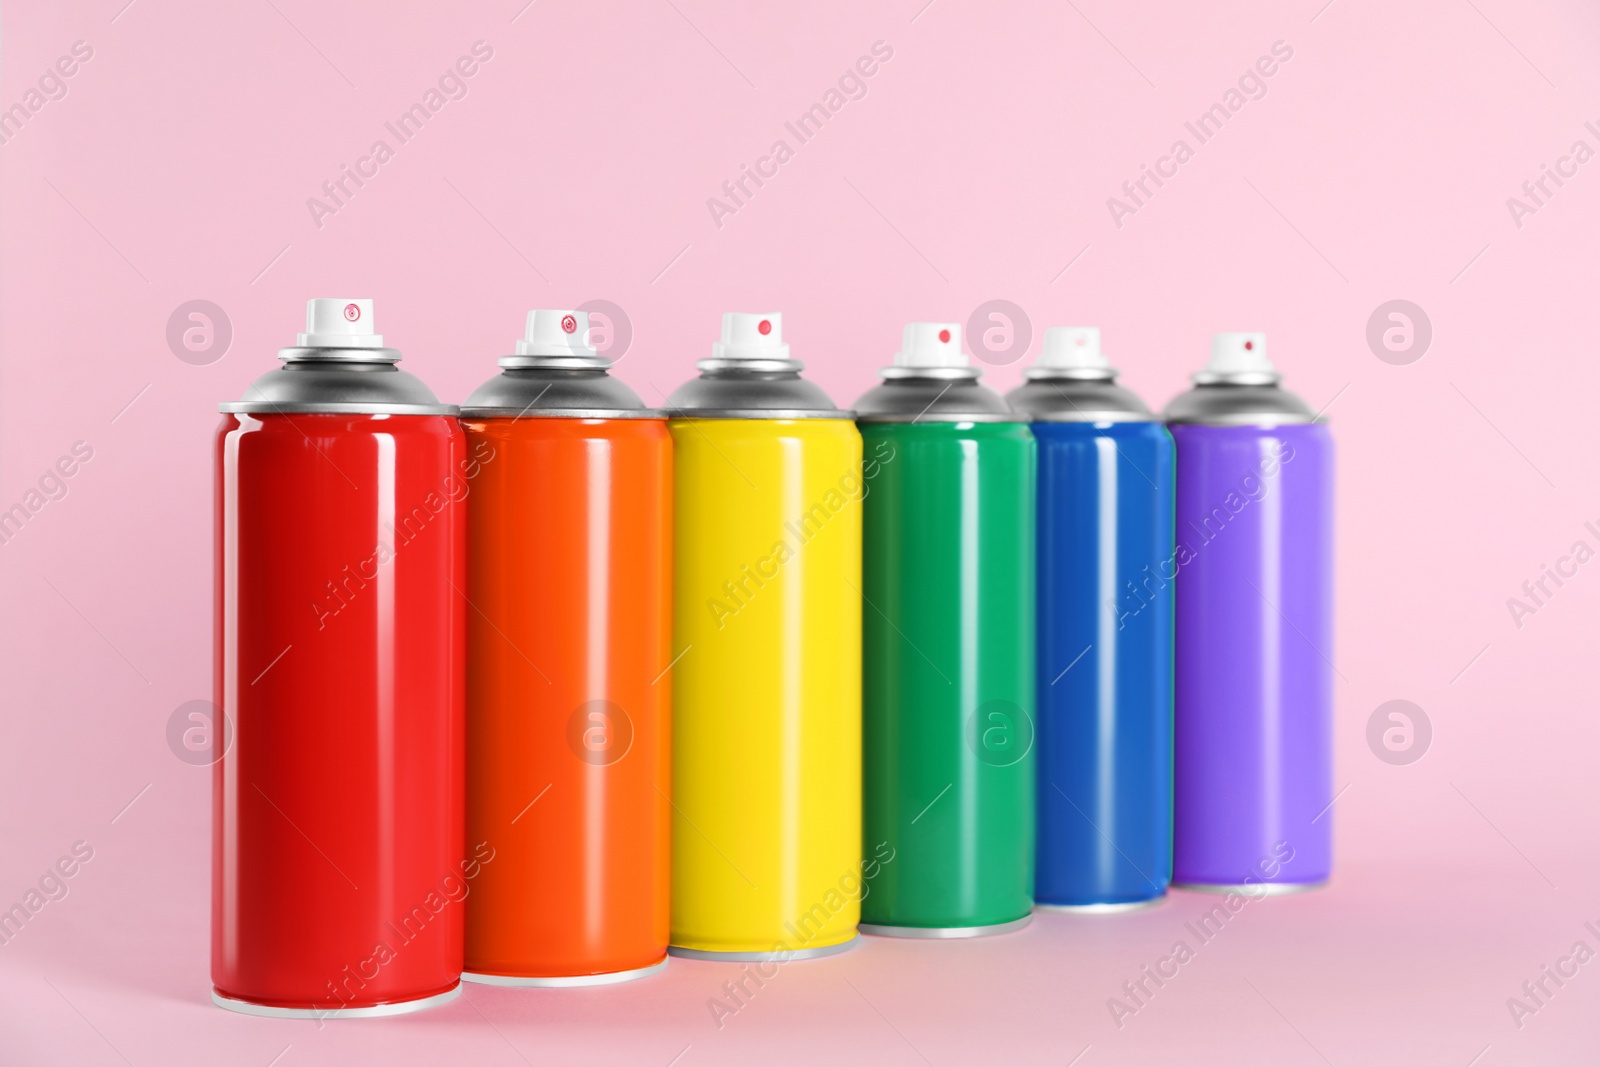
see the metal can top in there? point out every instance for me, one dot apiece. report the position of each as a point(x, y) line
point(339, 367)
point(1072, 381)
point(1239, 387)
point(750, 376)
point(556, 373)
point(556, 392)
point(1064, 399)
point(930, 381)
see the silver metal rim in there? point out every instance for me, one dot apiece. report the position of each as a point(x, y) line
point(947, 416)
point(759, 414)
point(402, 1007)
point(764, 957)
point(1044, 374)
point(1117, 908)
point(339, 355)
point(753, 366)
point(1093, 417)
point(946, 932)
point(1254, 377)
point(530, 362)
point(564, 981)
point(1255, 889)
point(256, 407)
point(933, 373)
point(560, 413)
point(1267, 421)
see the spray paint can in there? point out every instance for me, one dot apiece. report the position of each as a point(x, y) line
point(568, 635)
point(338, 860)
point(948, 646)
point(1105, 631)
point(766, 761)
point(1254, 706)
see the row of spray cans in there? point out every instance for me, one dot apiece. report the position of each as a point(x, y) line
point(581, 685)
point(1185, 618)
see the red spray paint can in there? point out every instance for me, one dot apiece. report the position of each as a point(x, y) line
point(339, 863)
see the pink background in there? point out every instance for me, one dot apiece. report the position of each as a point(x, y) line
point(978, 166)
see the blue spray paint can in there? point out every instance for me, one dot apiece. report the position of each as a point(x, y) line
point(1105, 632)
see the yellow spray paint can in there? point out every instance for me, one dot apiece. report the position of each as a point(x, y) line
point(766, 850)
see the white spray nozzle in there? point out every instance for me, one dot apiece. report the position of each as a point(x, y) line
point(746, 336)
point(340, 323)
point(556, 333)
point(1239, 353)
point(931, 344)
point(1073, 348)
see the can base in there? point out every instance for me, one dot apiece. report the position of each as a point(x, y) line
point(945, 932)
point(1255, 889)
point(1115, 908)
point(399, 1007)
point(562, 981)
point(763, 957)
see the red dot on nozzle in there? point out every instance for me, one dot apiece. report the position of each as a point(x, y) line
point(765, 327)
point(944, 336)
point(1248, 345)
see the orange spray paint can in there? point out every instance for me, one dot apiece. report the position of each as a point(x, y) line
point(568, 648)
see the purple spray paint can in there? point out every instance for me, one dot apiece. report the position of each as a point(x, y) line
point(1253, 713)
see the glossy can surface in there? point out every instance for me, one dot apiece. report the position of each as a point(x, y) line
point(1106, 572)
point(767, 693)
point(338, 859)
point(948, 672)
point(568, 766)
point(1254, 646)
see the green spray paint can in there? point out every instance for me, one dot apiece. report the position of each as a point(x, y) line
point(948, 646)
